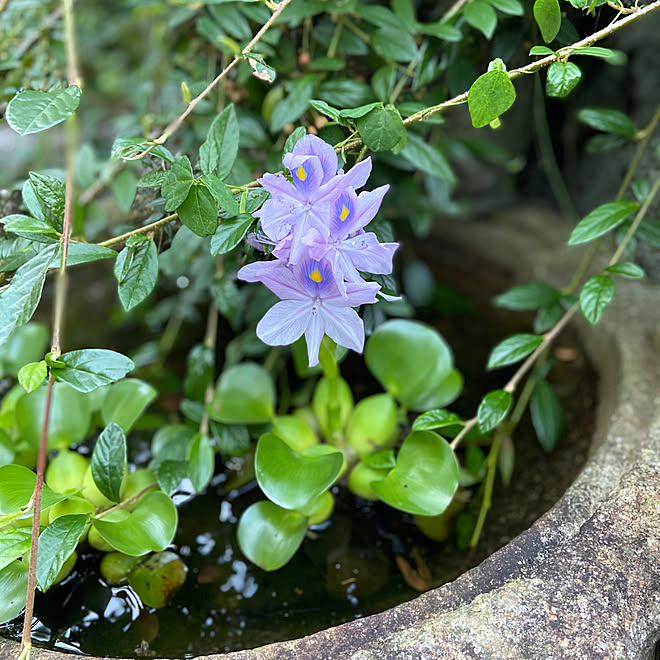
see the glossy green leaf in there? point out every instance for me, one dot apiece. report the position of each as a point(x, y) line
point(230, 233)
point(480, 15)
point(441, 30)
point(244, 394)
point(221, 193)
point(269, 535)
point(425, 477)
point(14, 543)
point(596, 295)
point(601, 220)
point(125, 401)
point(511, 7)
point(381, 129)
point(438, 391)
point(177, 183)
point(84, 253)
point(68, 421)
point(294, 104)
point(157, 579)
point(150, 527)
point(16, 489)
point(56, 544)
point(136, 272)
point(32, 111)
point(199, 212)
point(427, 158)
point(199, 372)
point(435, 419)
point(170, 474)
point(231, 439)
point(13, 590)
point(128, 147)
point(90, 368)
point(50, 194)
point(493, 409)
point(32, 375)
point(608, 121)
point(219, 151)
point(26, 343)
point(20, 299)
point(541, 50)
point(512, 349)
point(201, 461)
point(615, 57)
point(626, 269)
point(30, 228)
point(490, 95)
point(404, 355)
point(109, 461)
point(124, 187)
point(394, 45)
point(562, 79)
point(526, 297)
point(290, 479)
point(548, 17)
point(547, 415)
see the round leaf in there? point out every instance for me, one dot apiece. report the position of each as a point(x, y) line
point(425, 477)
point(244, 395)
point(88, 369)
point(32, 375)
point(562, 79)
point(125, 401)
point(381, 128)
point(199, 212)
point(290, 479)
point(13, 590)
point(491, 95)
point(157, 579)
point(269, 535)
point(32, 111)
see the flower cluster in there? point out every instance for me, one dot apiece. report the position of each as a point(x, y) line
point(316, 221)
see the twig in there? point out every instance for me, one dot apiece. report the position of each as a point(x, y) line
point(31, 39)
point(454, 9)
point(140, 230)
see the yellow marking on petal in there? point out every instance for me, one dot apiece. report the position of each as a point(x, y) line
point(344, 213)
point(315, 276)
point(302, 175)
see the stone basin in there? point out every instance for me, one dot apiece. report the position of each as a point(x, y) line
point(584, 580)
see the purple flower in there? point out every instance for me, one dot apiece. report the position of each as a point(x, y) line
point(298, 210)
point(348, 247)
point(311, 305)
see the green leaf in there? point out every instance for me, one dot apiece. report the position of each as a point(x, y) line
point(441, 30)
point(626, 269)
point(490, 95)
point(199, 212)
point(13, 590)
point(14, 543)
point(50, 193)
point(18, 302)
point(127, 147)
point(230, 233)
point(125, 401)
point(84, 253)
point(150, 527)
point(513, 349)
point(231, 439)
point(56, 544)
point(480, 15)
point(259, 67)
point(601, 220)
point(32, 375)
point(109, 461)
point(16, 489)
point(30, 228)
point(136, 272)
point(177, 183)
point(244, 394)
point(294, 104)
point(528, 296)
point(405, 12)
point(408, 358)
point(152, 179)
point(608, 121)
point(435, 419)
point(427, 158)
point(218, 153)
point(124, 187)
point(394, 45)
point(425, 477)
point(511, 7)
point(292, 140)
point(360, 111)
point(548, 17)
point(158, 578)
point(381, 129)
point(269, 535)
point(25, 344)
point(90, 368)
point(615, 57)
point(596, 295)
point(327, 110)
point(290, 479)
point(562, 79)
point(221, 193)
point(547, 415)
point(170, 474)
point(541, 50)
point(201, 461)
point(493, 409)
point(32, 111)
point(68, 421)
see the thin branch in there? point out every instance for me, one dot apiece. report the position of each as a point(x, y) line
point(140, 230)
point(454, 9)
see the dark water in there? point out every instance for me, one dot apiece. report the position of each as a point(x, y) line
point(347, 568)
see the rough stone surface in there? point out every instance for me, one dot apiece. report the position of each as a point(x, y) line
point(584, 580)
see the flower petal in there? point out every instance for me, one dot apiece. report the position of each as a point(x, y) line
point(313, 336)
point(276, 276)
point(306, 172)
point(284, 322)
point(368, 203)
point(357, 176)
point(367, 254)
point(343, 325)
point(312, 145)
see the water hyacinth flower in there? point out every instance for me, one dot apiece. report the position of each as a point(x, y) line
point(311, 305)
